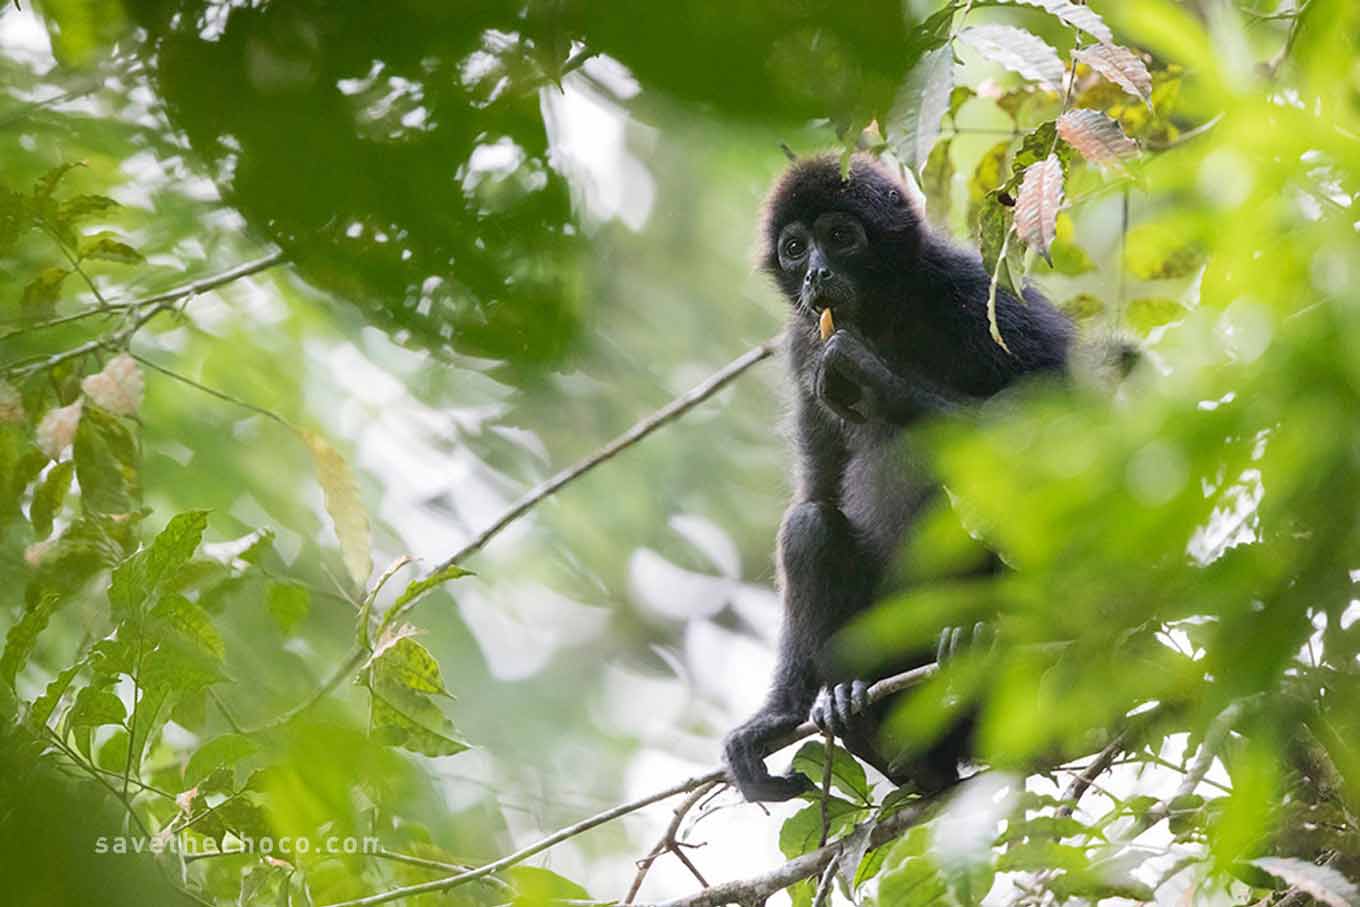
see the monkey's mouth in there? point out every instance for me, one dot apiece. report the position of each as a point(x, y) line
point(839, 298)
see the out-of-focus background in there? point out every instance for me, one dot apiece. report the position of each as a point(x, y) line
point(505, 233)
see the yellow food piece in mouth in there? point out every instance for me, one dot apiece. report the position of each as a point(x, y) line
point(827, 324)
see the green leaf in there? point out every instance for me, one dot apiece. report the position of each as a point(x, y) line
point(137, 577)
point(937, 182)
point(112, 756)
point(23, 636)
point(44, 705)
point(401, 717)
point(288, 604)
point(79, 207)
point(847, 775)
point(43, 291)
point(538, 887)
point(802, 832)
point(107, 463)
point(914, 121)
point(47, 183)
point(413, 592)
point(1157, 251)
point(221, 751)
point(96, 706)
point(988, 176)
point(1142, 315)
point(48, 497)
point(106, 246)
point(409, 664)
point(191, 622)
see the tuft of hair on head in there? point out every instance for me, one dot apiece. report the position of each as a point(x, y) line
point(812, 185)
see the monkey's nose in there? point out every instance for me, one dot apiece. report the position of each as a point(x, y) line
point(817, 276)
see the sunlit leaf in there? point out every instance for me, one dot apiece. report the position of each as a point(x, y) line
point(937, 182)
point(136, 578)
point(406, 663)
point(1077, 15)
point(106, 246)
point(1146, 313)
point(1321, 883)
point(48, 497)
point(344, 506)
point(914, 121)
point(1017, 50)
point(23, 636)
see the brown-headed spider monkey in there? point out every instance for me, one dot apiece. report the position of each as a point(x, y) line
point(911, 340)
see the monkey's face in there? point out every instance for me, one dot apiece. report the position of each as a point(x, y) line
point(820, 263)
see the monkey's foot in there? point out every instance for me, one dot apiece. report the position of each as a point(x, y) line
point(842, 710)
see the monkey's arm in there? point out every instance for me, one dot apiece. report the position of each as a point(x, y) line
point(849, 363)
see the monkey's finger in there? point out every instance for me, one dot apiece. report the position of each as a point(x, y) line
point(845, 713)
point(820, 714)
point(859, 696)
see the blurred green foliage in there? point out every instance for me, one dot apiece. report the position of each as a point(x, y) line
point(510, 231)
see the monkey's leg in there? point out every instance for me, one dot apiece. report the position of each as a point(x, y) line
point(824, 582)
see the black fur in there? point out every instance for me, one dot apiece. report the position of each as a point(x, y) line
point(911, 341)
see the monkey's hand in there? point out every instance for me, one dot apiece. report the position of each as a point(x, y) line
point(849, 377)
point(856, 384)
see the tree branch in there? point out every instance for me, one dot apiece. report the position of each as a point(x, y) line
point(880, 690)
point(153, 306)
point(755, 890)
point(668, 413)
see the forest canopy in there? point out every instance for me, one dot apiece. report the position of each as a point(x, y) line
point(391, 452)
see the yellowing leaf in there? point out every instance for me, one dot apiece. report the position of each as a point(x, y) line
point(343, 504)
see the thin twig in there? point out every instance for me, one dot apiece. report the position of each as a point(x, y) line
point(412, 860)
point(212, 392)
point(666, 414)
point(827, 743)
point(669, 842)
point(755, 890)
point(153, 306)
point(1099, 765)
point(825, 882)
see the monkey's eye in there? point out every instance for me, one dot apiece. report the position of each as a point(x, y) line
point(794, 247)
point(840, 236)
